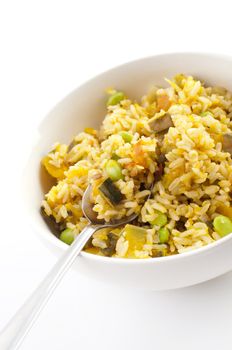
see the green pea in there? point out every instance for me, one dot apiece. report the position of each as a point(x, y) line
point(160, 220)
point(222, 225)
point(127, 137)
point(115, 98)
point(163, 235)
point(114, 170)
point(67, 236)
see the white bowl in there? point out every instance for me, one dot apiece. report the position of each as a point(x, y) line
point(85, 107)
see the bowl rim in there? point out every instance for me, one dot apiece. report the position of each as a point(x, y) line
point(49, 236)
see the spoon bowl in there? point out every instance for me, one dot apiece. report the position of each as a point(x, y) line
point(91, 215)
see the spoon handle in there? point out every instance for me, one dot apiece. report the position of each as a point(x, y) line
point(17, 328)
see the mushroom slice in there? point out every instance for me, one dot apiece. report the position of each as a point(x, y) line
point(162, 123)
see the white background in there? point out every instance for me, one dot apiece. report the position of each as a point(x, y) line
point(47, 48)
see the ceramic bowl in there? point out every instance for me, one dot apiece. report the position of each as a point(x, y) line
point(84, 107)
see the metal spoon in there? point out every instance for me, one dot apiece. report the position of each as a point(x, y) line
point(13, 334)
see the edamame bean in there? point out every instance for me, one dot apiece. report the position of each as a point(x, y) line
point(160, 220)
point(222, 225)
point(115, 98)
point(163, 235)
point(67, 236)
point(114, 170)
point(127, 137)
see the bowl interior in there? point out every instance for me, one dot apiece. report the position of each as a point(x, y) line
point(85, 107)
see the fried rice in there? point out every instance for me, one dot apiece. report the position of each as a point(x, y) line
point(176, 171)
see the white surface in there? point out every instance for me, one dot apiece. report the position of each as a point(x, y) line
point(47, 49)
